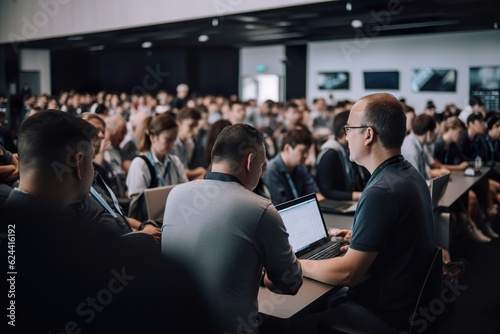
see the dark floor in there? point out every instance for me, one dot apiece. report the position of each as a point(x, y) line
point(477, 305)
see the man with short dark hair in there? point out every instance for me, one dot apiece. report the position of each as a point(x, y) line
point(226, 234)
point(236, 113)
point(187, 122)
point(414, 147)
point(286, 175)
point(339, 178)
point(392, 240)
point(71, 277)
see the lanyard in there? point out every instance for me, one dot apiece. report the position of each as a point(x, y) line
point(103, 202)
point(292, 185)
point(112, 194)
point(161, 180)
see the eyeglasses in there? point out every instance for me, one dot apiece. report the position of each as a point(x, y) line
point(348, 128)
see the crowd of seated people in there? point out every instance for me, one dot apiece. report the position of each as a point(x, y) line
point(147, 141)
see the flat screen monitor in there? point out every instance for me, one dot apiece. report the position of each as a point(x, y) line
point(381, 79)
point(428, 79)
point(333, 80)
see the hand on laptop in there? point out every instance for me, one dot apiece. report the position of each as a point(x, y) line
point(341, 236)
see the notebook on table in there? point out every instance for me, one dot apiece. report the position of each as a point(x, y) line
point(155, 199)
point(308, 234)
point(338, 207)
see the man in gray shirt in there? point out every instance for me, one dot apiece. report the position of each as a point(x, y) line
point(226, 234)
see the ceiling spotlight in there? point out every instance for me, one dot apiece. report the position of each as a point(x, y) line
point(348, 6)
point(495, 25)
point(147, 45)
point(202, 38)
point(75, 38)
point(215, 22)
point(356, 24)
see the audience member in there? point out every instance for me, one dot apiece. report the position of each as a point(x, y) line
point(337, 177)
point(73, 278)
point(9, 173)
point(181, 98)
point(156, 166)
point(116, 129)
point(236, 113)
point(187, 122)
point(392, 240)
point(241, 232)
point(415, 145)
point(286, 175)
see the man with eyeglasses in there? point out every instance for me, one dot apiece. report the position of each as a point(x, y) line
point(392, 238)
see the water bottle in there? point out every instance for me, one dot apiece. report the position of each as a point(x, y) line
point(478, 163)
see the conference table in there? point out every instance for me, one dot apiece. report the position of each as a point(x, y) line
point(457, 188)
point(280, 311)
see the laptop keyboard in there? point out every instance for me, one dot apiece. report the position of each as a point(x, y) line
point(327, 253)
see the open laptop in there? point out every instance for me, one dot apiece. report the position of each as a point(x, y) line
point(338, 207)
point(437, 188)
point(155, 199)
point(308, 234)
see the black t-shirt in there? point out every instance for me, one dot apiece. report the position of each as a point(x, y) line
point(394, 218)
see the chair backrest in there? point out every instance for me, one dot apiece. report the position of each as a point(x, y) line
point(430, 290)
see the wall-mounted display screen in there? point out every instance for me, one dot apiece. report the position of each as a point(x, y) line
point(485, 83)
point(484, 78)
point(333, 80)
point(428, 79)
point(381, 79)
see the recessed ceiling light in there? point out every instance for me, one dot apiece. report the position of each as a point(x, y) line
point(250, 26)
point(202, 38)
point(348, 6)
point(495, 25)
point(215, 22)
point(96, 48)
point(283, 24)
point(147, 45)
point(356, 24)
point(75, 38)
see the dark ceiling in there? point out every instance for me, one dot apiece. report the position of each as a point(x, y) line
point(297, 25)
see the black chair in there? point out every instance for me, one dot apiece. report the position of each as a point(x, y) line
point(431, 290)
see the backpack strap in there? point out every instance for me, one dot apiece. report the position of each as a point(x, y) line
point(152, 172)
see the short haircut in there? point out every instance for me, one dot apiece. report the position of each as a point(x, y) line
point(492, 119)
point(291, 105)
point(476, 116)
point(89, 116)
point(385, 114)
point(188, 113)
point(154, 126)
point(423, 123)
point(232, 103)
point(236, 141)
point(297, 136)
point(51, 137)
point(339, 121)
point(475, 100)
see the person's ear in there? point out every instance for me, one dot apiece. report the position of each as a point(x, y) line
point(369, 136)
point(248, 162)
point(78, 165)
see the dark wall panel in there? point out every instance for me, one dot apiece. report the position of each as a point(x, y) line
point(206, 71)
point(295, 84)
point(218, 71)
